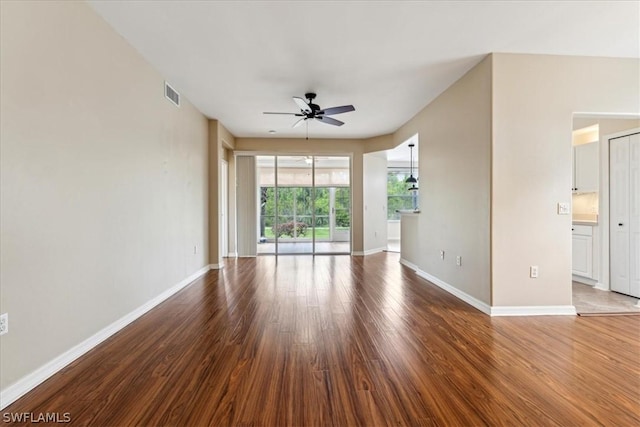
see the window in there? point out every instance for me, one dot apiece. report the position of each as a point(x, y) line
point(398, 195)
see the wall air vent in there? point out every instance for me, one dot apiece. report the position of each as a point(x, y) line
point(171, 94)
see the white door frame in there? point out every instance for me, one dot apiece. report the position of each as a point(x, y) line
point(224, 210)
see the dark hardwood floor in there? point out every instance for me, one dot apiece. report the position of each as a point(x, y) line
point(339, 340)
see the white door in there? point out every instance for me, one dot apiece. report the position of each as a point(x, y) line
point(625, 214)
point(634, 215)
point(224, 233)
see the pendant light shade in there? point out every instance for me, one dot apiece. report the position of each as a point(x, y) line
point(411, 179)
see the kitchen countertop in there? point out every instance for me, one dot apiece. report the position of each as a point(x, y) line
point(407, 211)
point(584, 219)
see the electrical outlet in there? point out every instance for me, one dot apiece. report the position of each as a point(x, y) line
point(533, 271)
point(441, 254)
point(458, 261)
point(4, 323)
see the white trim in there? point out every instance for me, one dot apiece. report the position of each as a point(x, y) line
point(584, 280)
point(232, 255)
point(374, 251)
point(601, 286)
point(357, 253)
point(409, 264)
point(244, 256)
point(623, 133)
point(473, 301)
point(37, 377)
point(553, 310)
point(534, 310)
point(216, 266)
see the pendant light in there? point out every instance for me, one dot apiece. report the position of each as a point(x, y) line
point(412, 180)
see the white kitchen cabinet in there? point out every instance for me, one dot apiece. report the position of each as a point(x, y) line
point(582, 251)
point(585, 168)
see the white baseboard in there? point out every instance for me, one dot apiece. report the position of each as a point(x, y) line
point(27, 383)
point(375, 251)
point(533, 310)
point(473, 301)
point(357, 253)
point(561, 310)
point(584, 280)
point(216, 266)
point(602, 287)
point(232, 255)
point(409, 264)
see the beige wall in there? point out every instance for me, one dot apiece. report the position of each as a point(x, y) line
point(495, 158)
point(104, 182)
point(454, 195)
point(534, 99)
point(380, 143)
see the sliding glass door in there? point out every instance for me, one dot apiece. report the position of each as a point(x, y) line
point(305, 205)
point(332, 205)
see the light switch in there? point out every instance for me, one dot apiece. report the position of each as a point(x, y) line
point(564, 208)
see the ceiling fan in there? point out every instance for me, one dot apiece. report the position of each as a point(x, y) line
point(309, 110)
point(309, 159)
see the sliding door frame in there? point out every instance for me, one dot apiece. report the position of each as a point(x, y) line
point(349, 156)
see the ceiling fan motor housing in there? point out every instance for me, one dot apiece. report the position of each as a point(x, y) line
point(314, 107)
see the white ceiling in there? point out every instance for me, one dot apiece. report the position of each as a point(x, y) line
point(234, 60)
point(402, 153)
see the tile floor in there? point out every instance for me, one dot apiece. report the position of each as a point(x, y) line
point(587, 299)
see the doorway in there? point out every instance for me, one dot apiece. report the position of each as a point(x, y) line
point(224, 208)
point(402, 162)
point(594, 227)
point(304, 205)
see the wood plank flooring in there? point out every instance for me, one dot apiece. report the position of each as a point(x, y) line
point(339, 340)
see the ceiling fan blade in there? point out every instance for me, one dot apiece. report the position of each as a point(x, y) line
point(330, 121)
point(302, 104)
point(336, 110)
point(288, 114)
point(299, 122)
